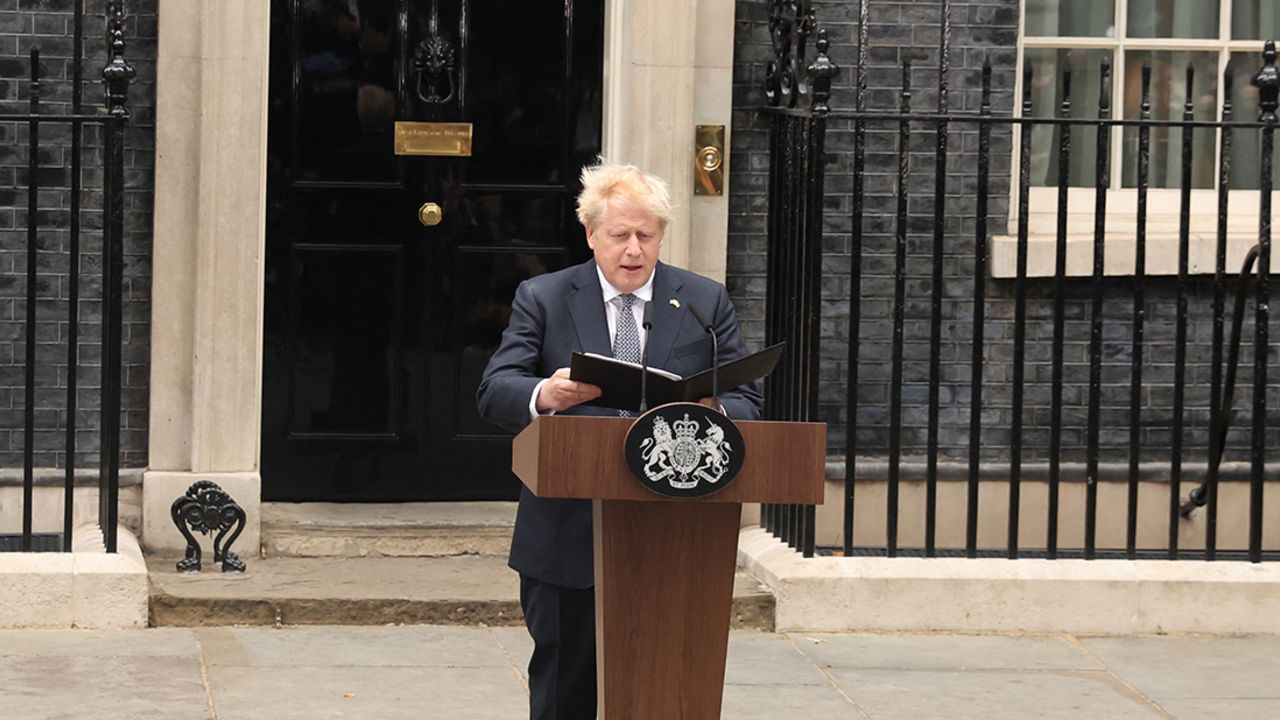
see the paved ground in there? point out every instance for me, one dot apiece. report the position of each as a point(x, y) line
point(476, 673)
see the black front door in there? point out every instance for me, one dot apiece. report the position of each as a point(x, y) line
point(378, 326)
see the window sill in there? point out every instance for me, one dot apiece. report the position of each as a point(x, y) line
point(1119, 255)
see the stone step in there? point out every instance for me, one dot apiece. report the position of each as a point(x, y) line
point(463, 590)
point(387, 529)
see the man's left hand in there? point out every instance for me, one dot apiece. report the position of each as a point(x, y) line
point(713, 403)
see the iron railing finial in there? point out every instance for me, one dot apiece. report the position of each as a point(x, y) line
point(821, 72)
point(118, 73)
point(1268, 83)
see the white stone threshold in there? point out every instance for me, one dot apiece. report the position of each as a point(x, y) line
point(996, 595)
point(85, 588)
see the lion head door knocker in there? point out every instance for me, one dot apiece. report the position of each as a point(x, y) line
point(435, 67)
point(684, 450)
point(208, 509)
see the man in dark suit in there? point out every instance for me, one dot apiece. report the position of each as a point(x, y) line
point(594, 307)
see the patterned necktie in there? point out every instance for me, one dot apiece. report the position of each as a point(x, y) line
point(626, 338)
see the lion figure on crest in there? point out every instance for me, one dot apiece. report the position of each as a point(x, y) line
point(656, 451)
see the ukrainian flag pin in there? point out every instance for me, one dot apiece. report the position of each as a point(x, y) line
point(675, 303)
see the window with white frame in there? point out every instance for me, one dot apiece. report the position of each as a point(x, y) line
point(1167, 36)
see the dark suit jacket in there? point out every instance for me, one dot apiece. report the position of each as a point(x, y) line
point(554, 315)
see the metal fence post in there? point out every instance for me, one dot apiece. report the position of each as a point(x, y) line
point(116, 77)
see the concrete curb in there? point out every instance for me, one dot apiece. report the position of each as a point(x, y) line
point(85, 588)
point(172, 611)
point(750, 612)
point(996, 595)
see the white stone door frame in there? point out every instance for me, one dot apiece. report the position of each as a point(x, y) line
point(668, 66)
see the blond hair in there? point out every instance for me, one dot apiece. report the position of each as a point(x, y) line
point(607, 183)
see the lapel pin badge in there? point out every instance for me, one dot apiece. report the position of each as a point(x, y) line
point(675, 303)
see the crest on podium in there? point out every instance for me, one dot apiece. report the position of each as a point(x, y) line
point(684, 450)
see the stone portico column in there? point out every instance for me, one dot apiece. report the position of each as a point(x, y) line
point(210, 202)
point(669, 67)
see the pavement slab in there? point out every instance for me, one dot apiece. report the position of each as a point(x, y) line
point(1199, 677)
point(360, 672)
point(160, 642)
point(769, 659)
point(386, 693)
point(944, 652)
point(102, 688)
point(431, 671)
point(921, 694)
point(66, 674)
point(407, 646)
point(781, 702)
point(767, 678)
point(517, 644)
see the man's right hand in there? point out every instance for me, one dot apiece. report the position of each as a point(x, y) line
point(560, 393)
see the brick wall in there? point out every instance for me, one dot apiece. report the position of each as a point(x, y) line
point(981, 29)
point(48, 26)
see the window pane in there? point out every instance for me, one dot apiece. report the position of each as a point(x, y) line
point(1255, 19)
point(1246, 145)
point(1168, 96)
point(1173, 18)
point(1046, 67)
point(1071, 18)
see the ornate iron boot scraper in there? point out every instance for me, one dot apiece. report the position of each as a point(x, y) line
point(207, 508)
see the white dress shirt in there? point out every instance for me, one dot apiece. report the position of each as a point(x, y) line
point(612, 306)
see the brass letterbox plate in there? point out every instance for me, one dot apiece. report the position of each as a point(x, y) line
point(433, 139)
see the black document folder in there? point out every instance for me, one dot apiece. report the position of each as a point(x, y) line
point(620, 380)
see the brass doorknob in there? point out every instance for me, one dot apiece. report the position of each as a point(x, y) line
point(430, 214)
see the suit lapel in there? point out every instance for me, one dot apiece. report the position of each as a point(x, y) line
point(586, 307)
point(666, 317)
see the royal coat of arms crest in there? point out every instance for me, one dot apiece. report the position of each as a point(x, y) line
point(688, 452)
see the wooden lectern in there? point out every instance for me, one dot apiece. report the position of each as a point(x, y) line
point(664, 568)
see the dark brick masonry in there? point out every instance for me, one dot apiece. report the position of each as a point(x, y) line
point(911, 30)
point(48, 25)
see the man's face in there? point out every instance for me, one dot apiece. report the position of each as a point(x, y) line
point(626, 245)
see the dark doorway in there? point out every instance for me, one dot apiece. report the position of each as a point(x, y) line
point(378, 326)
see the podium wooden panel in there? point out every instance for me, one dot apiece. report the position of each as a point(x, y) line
point(577, 456)
point(664, 568)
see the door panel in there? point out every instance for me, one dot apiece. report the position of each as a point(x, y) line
point(482, 312)
point(346, 90)
point(516, 83)
point(343, 369)
point(516, 220)
point(377, 328)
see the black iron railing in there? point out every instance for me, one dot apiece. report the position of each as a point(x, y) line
point(112, 120)
point(795, 255)
point(798, 93)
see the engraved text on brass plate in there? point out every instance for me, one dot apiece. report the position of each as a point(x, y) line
point(435, 139)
